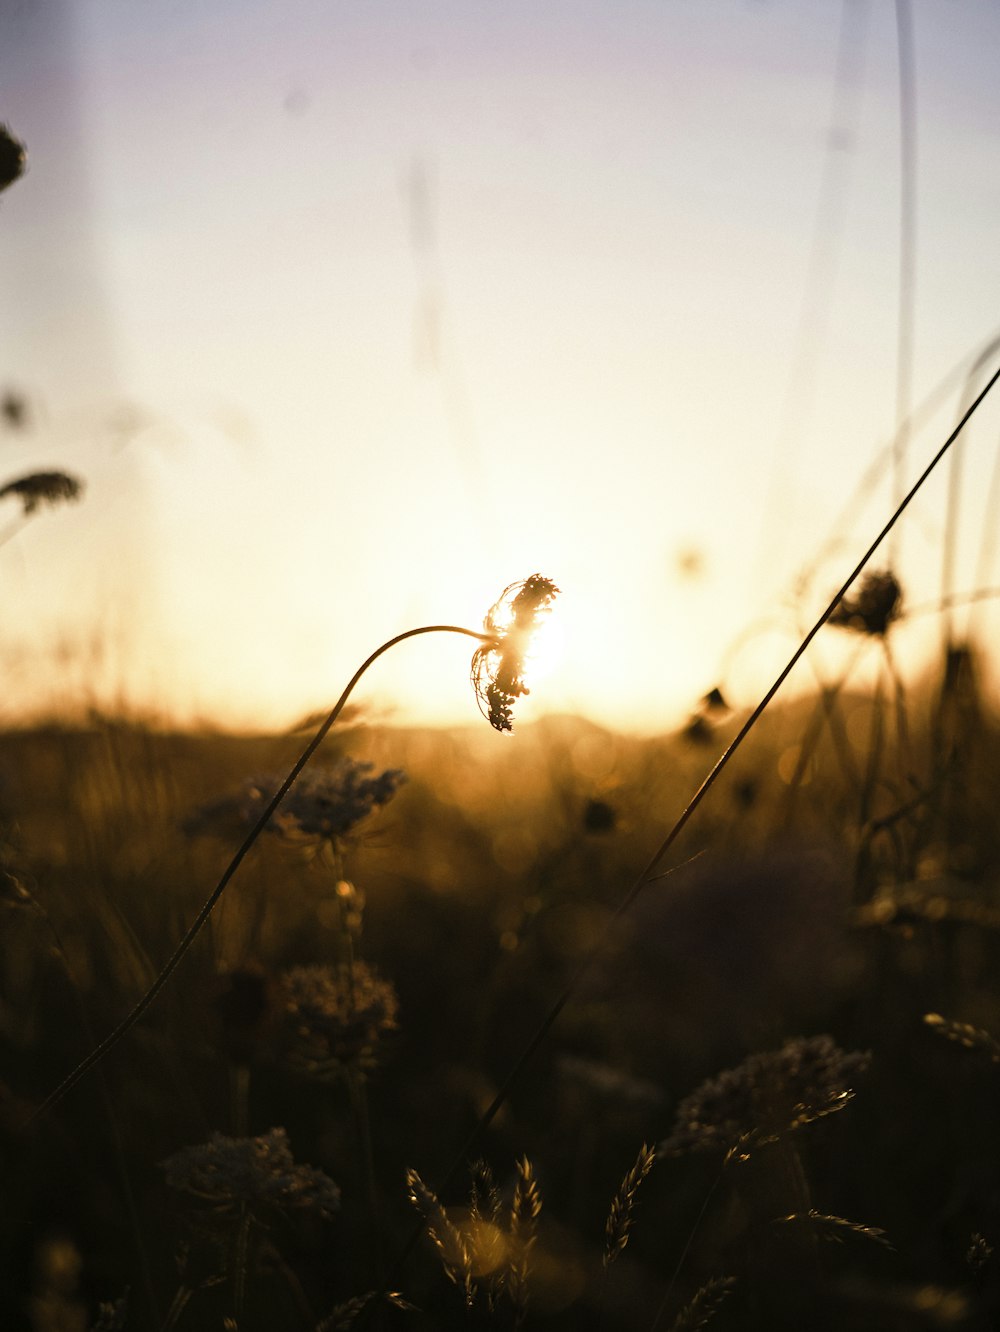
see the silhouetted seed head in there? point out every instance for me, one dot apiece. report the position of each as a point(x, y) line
point(698, 731)
point(43, 488)
point(619, 1223)
point(766, 1096)
point(325, 803)
point(703, 1305)
point(12, 158)
point(14, 410)
point(333, 1018)
point(877, 602)
point(257, 1172)
point(599, 817)
point(498, 666)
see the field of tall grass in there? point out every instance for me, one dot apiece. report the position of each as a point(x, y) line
point(560, 1033)
point(769, 1102)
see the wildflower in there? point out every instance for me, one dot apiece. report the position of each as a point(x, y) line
point(42, 488)
point(765, 1096)
point(331, 1018)
point(12, 158)
point(325, 803)
point(230, 1173)
point(498, 665)
point(878, 602)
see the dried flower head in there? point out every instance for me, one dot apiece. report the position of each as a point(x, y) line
point(331, 1018)
point(876, 604)
point(42, 488)
point(12, 158)
point(256, 1172)
point(325, 804)
point(766, 1096)
point(498, 665)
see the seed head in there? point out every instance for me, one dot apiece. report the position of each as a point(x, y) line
point(766, 1096)
point(43, 488)
point(325, 803)
point(875, 605)
point(498, 665)
point(256, 1172)
point(333, 1017)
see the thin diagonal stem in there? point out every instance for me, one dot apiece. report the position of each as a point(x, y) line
point(129, 1021)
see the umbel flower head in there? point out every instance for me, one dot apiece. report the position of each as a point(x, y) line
point(498, 665)
point(332, 1018)
point(42, 488)
point(325, 803)
point(254, 1172)
point(766, 1096)
point(872, 609)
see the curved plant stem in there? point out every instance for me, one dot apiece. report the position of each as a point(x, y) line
point(129, 1021)
point(648, 874)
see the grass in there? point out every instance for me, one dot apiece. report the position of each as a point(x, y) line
point(484, 889)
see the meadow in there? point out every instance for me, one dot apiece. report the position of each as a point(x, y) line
point(769, 1103)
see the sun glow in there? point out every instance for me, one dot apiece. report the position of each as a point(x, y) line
point(546, 654)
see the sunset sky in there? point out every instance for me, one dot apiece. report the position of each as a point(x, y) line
point(350, 314)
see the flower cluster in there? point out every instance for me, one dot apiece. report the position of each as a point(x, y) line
point(873, 608)
point(766, 1096)
point(42, 488)
point(253, 1172)
point(498, 665)
point(330, 1018)
point(325, 803)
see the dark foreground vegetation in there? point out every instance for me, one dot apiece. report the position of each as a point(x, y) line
point(772, 1102)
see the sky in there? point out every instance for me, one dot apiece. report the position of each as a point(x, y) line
point(351, 314)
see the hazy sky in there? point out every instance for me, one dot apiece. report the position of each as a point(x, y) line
point(350, 314)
